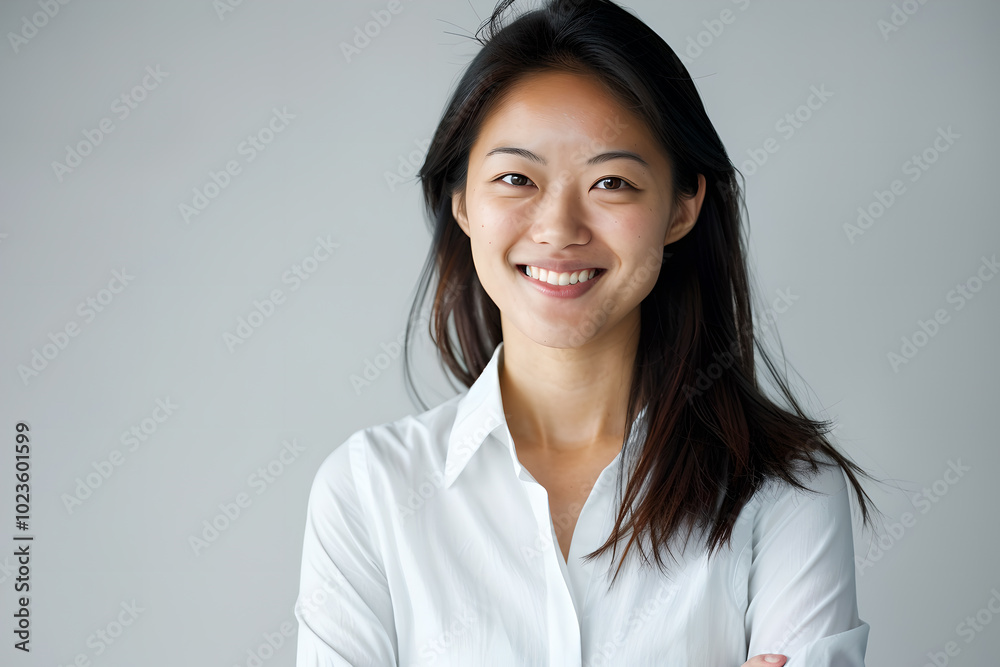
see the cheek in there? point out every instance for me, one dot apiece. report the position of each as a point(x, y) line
point(493, 231)
point(640, 245)
point(643, 225)
point(490, 244)
point(637, 233)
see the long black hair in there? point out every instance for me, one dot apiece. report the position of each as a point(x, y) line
point(714, 437)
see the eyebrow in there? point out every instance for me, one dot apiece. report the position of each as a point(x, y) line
point(597, 159)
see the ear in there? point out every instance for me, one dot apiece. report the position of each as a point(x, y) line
point(458, 211)
point(686, 214)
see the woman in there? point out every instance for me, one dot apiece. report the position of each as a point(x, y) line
point(592, 296)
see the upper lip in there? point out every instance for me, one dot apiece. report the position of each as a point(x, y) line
point(560, 266)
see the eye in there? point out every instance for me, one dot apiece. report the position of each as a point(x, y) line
point(524, 180)
point(624, 185)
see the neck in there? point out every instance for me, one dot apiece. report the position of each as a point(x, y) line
point(569, 401)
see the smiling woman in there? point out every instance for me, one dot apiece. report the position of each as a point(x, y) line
point(567, 216)
point(589, 269)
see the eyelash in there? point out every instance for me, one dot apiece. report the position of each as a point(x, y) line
point(601, 180)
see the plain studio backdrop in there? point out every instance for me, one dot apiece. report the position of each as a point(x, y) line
point(211, 231)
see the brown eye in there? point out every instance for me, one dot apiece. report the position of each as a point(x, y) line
point(614, 179)
point(518, 179)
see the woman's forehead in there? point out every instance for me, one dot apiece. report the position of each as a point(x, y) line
point(563, 109)
point(565, 93)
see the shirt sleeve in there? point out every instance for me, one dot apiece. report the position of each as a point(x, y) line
point(802, 598)
point(343, 609)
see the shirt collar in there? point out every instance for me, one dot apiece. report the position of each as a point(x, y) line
point(480, 414)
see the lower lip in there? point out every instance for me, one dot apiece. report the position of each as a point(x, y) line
point(561, 291)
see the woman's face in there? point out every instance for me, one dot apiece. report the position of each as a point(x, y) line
point(565, 181)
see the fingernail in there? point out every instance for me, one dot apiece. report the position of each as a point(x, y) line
point(772, 658)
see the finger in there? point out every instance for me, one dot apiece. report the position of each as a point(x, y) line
point(766, 660)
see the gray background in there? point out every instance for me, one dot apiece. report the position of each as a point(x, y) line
point(325, 175)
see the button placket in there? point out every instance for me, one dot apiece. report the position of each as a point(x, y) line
point(564, 626)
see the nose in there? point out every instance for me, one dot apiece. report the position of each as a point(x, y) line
point(559, 216)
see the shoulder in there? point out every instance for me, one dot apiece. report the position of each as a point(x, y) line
point(397, 449)
point(825, 478)
point(825, 497)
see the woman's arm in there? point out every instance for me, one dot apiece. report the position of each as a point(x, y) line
point(802, 597)
point(343, 609)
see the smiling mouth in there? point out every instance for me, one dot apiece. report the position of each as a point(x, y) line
point(557, 279)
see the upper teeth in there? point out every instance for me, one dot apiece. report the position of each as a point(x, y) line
point(553, 278)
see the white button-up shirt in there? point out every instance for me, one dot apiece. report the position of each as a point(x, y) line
point(427, 543)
